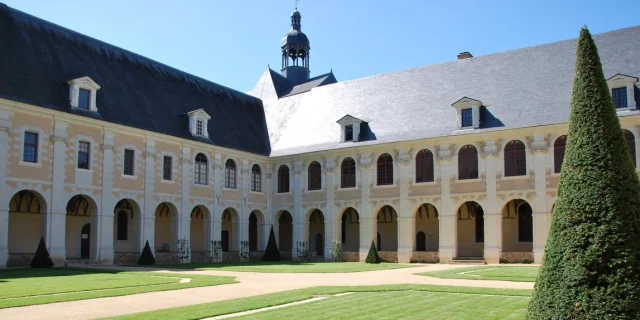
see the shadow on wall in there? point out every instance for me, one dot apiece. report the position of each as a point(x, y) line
point(365, 133)
point(488, 120)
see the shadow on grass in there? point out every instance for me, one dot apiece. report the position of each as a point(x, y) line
point(22, 273)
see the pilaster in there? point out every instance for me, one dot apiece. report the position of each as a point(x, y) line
point(447, 217)
point(492, 214)
point(5, 129)
point(367, 220)
point(300, 223)
point(218, 180)
point(541, 215)
point(105, 220)
point(243, 224)
point(148, 223)
point(184, 216)
point(56, 218)
point(332, 222)
point(406, 219)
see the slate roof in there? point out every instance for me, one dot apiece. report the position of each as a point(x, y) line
point(519, 88)
point(37, 58)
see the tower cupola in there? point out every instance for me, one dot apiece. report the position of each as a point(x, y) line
point(295, 52)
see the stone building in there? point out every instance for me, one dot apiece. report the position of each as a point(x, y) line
point(102, 149)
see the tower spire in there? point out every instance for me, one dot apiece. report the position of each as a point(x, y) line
point(295, 51)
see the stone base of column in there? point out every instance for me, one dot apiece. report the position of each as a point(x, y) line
point(538, 254)
point(404, 255)
point(446, 255)
point(4, 257)
point(106, 256)
point(492, 255)
point(59, 256)
point(363, 254)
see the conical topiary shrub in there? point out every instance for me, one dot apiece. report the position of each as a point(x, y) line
point(146, 258)
point(372, 256)
point(271, 253)
point(591, 267)
point(42, 259)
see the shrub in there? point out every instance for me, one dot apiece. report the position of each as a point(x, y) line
point(591, 267)
point(271, 253)
point(372, 256)
point(146, 258)
point(42, 259)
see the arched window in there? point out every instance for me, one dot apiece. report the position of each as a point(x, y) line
point(558, 153)
point(385, 169)
point(123, 225)
point(230, 174)
point(468, 163)
point(256, 179)
point(315, 176)
point(283, 179)
point(515, 159)
point(201, 170)
point(479, 224)
point(421, 241)
point(424, 166)
point(348, 176)
point(525, 223)
point(631, 143)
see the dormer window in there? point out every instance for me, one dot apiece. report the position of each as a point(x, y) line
point(82, 93)
point(350, 129)
point(198, 120)
point(622, 91)
point(468, 113)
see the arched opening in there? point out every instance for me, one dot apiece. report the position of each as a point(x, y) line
point(350, 234)
point(427, 233)
point(200, 234)
point(558, 153)
point(468, 163)
point(348, 173)
point(517, 231)
point(285, 234)
point(421, 241)
point(470, 230)
point(316, 228)
point(27, 224)
point(515, 159)
point(126, 233)
point(256, 234)
point(166, 229)
point(387, 227)
point(229, 236)
point(80, 229)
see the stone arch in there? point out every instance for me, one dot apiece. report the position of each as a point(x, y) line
point(229, 230)
point(200, 233)
point(387, 227)
point(316, 227)
point(256, 231)
point(284, 224)
point(517, 227)
point(80, 228)
point(27, 224)
point(427, 222)
point(470, 230)
point(127, 225)
point(166, 228)
point(350, 230)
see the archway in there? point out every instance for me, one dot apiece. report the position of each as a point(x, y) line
point(285, 234)
point(80, 229)
point(316, 233)
point(256, 236)
point(350, 232)
point(166, 228)
point(27, 224)
point(388, 229)
point(427, 230)
point(200, 234)
point(517, 231)
point(126, 232)
point(470, 230)
point(229, 236)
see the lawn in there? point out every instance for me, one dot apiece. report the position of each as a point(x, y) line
point(289, 267)
point(21, 287)
point(506, 273)
point(369, 302)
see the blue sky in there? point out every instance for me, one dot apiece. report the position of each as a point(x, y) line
point(231, 41)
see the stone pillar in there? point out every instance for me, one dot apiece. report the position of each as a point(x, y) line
point(5, 196)
point(243, 224)
point(56, 217)
point(148, 222)
point(218, 182)
point(331, 221)
point(368, 222)
point(406, 219)
point(268, 215)
point(300, 221)
point(492, 213)
point(184, 216)
point(541, 214)
point(448, 216)
point(105, 249)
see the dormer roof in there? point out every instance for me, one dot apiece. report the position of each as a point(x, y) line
point(199, 113)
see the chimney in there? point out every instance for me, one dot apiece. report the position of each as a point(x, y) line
point(464, 55)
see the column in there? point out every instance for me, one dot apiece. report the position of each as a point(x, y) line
point(406, 218)
point(218, 180)
point(184, 216)
point(105, 216)
point(300, 222)
point(447, 217)
point(492, 214)
point(541, 216)
point(56, 217)
point(148, 222)
point(368, 221)
point(243, 224)
point(5, 197)
point(268, 215)
point(331, 221)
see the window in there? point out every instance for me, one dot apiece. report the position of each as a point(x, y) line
point(84, 99)
point(424, 166)
point(631, 143)
point(467, 117)
point(468, 163)
point(479, 224)
point(619, 96)
point(558, 153)
point(201, 172)
point(256, 179)
point(421, 241)
point(348, 133)
point(385, 169)
point(30, 152)
point(128, 162)
point(199, 128)
point(230, 174)
point(283, 179)
point(515, 159)
point(525, 223)
point(348, 175)
point(123, 225)
point(167, 168)
point(83, 155)
point(315, 176)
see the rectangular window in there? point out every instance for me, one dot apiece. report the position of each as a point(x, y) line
point(199, 128)
point(619, 96)
point(167, 170)
point(83, 155)
point(348, 133)
point(467, 118)
point(84, 99)
point(128, 162)
point(30, 152)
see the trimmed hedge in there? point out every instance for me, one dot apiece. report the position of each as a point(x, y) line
point(42, 259)
point(146, 257)
point(372, 256)
point(271, 253)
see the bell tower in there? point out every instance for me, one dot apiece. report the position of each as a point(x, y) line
point(295, 52)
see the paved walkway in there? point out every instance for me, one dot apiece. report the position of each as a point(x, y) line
point(251, 284)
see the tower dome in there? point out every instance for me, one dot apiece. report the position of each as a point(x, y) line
point(295, 52)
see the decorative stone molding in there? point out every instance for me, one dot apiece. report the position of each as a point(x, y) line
point(149, 154)
point(85, 83)
point(539, 144)
point(297, 173)
point(490, 149)
point(6, 129)
point(467, 103)
point(405, 163)
point(107, 147)
point(365, 166)
point(267, 175)
point(186, 160)
point(217, 166)
point(329, 170)
point(55, 138)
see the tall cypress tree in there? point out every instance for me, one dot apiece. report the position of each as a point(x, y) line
point(591, 267)
point(271, 253)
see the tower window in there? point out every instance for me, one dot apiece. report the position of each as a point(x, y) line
point(348, 133)
point(619, 96)
point(467, 117)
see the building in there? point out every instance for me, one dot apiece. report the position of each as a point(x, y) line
point(102, 150)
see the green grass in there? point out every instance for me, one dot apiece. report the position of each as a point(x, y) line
point(506, 273)
point(289, 267)
point(379, 302)
point(22, 287)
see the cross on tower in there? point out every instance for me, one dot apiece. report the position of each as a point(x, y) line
point(297, 4)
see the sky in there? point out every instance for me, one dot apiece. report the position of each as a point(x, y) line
point(231, 42)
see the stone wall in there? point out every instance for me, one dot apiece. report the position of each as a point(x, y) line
point(388, 256)
point(123, 258)
point(286, 255)
point(255, 255)
point(167, 258)
point(516, 257)
point(350, 256)
point(230, 256)
point(200, 256)
point(20, 259)
point(425, 256)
